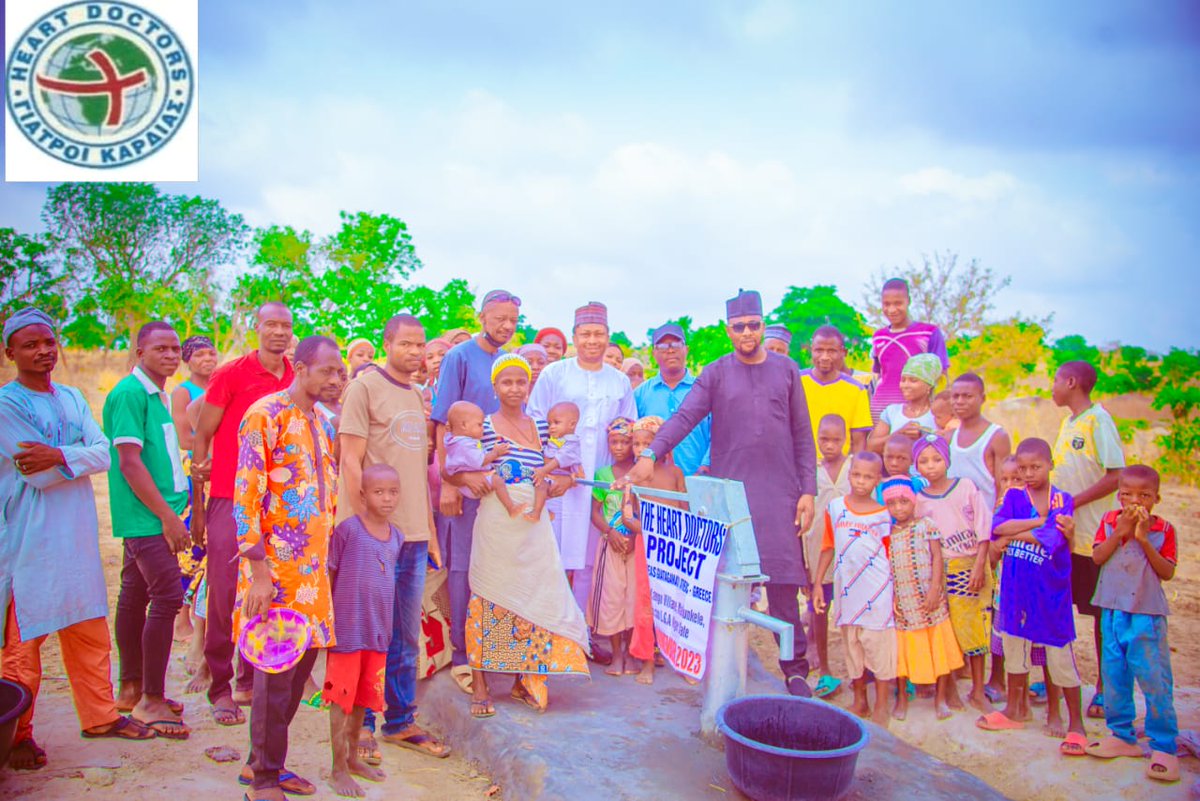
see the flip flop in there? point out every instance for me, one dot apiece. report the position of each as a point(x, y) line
point(1073, 745)
point(1112, 747)
point(419, 740)
point(314, 700)
point(125, 728)
point(289, 782)
point(997, 721)
point(827, 686)
point(796, 685)
point(166, 728)
point(994, 694)
point(519, 693)
point(36, 752)
point(227, 717)
point(482, 709)
point(1163, 767)
point(368, 750)
point(1097, 702)
point(1037, 693)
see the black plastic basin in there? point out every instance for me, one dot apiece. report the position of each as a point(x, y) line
point(14, 700)
point(787, 748)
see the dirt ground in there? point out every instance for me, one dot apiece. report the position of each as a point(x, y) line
point(1022, 765)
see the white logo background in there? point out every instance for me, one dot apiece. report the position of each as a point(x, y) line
point(175, 160)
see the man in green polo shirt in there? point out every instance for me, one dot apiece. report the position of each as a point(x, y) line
point(147, 494)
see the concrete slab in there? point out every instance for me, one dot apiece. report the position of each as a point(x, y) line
point(611, 739)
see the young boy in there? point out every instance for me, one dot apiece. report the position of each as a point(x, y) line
point(857, 532)
point(898, 461)
point(978, 446)
point(563, 453)
point(1136, 552)
point(1087, 461)
point(1008, 477)
point(833, 481)
point(362, 560)
point(942, 408)
point(1036, 528)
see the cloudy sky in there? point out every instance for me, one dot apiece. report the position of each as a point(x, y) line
point(657, 156)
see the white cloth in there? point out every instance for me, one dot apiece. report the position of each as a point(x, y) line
point(602, 396)
point(969, 463)
point(514, 565)
point(896, 419)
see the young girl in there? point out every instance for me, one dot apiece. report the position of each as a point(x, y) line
point(926, 650)
point(996, 690)
point(611, 612)
point(962, 516)
point(914, 416)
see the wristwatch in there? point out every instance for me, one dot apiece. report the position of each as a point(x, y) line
point(648, 454)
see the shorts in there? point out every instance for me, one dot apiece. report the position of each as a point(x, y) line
point(355, 679)
point(870, 649)
point(1085, 573)
point(828, 588)
point(200, 602)
point(1060, 660)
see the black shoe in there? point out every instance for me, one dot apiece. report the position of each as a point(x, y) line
point(798, 686)
point(600, 654)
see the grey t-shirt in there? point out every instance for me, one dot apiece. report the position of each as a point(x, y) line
point(1127, 581)
point(364, 586)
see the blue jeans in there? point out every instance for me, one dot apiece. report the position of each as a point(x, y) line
point(459, 533)
point(400, 678)
point(1135, 648)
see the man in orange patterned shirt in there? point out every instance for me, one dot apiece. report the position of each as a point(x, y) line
point(284, 497)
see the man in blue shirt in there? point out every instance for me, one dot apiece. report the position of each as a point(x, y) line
point(663, 395)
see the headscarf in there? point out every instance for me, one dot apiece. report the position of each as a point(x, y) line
point(455, 333)
point(23, 319)
point(354, 343)
point(507, 360)
point(594, 313)
point(897, 487)
point(439, 341)
point(630, 361)
point(931, 441)
point(747, 303)
point(193, 344)
point(547, 332)
point(925, 367)
point(532, 347)
point(651, 423)
point(621, 426)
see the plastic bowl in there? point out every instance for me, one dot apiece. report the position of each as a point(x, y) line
point(787, 748)
point(276, 641)
point(14, 700)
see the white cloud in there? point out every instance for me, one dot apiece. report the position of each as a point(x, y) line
point(941, 181)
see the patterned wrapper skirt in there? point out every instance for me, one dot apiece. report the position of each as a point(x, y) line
point(970, 612)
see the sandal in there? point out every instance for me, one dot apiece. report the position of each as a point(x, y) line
point(37, 755)
point(1112, 747)
point(368, 749)
point(126, 728)
point(176, 707)
point(1097, 703)
point(482, 709)
point(994, 694)
point(415, 738)
point(315, 701)
point(224, 716)
point(827, 686)
point(1037, 693)
point(289, 782)
point(997, 721)
point(167, 728)
point(519, 693)
point(1073, 745)
point(797, 686)
point(1163, 767)
point(462, 677)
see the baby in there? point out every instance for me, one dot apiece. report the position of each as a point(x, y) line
point(943, 413)
point(465, 453)
point(563, 452)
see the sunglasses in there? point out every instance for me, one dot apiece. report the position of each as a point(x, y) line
point(753, 326)
point(500, 296)
point(674, 344)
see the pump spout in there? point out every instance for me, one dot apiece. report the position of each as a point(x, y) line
point(787, 637)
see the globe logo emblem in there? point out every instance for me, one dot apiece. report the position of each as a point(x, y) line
point(99, 84)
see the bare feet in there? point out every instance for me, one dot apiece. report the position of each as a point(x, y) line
point(27, 755)
point(953, 700)
point(365, 771)
point(646, 675)
point(979, 701)
point(1054, 727)
point(617, 666)
point(345, 786)
point(183, 625)
point(267, 794)
point(942, 710)
point(200, 681)
point(859, 708)
point(880, 715)
point(900, 710)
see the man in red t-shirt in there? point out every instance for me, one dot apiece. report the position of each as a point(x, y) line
point(231, 390)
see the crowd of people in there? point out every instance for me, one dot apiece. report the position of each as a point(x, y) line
point(298, 477)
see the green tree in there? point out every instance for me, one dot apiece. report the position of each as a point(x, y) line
point(705, 344)
point(1007, 355)
point(139, 252)
point(1128, 368)
point(805, 309)
point(1180, 393)
point(958, 298)
point(30, 276)
point(452, 306)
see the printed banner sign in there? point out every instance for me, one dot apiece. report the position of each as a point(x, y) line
point(682, 551)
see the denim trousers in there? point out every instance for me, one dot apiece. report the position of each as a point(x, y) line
point(1135, 649)
point(400, 675)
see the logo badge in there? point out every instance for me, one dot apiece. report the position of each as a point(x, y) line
point(1077, 443)
point(99, 85)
